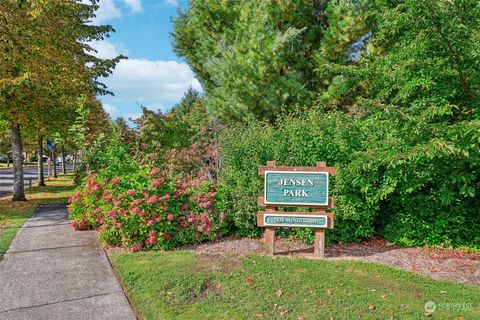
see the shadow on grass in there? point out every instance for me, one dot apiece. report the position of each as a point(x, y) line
point(57, 191)
point(50, 189)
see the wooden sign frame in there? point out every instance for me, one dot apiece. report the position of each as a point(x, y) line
point(319, 243)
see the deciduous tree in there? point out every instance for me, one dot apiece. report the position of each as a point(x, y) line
point(45, 57)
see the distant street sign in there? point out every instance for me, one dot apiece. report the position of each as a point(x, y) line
point(50, 145)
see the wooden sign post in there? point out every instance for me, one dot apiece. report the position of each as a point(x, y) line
point(296, 187)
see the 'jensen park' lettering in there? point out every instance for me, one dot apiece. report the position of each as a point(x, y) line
point(296, 182)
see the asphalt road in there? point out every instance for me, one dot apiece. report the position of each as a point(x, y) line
point(6, 177)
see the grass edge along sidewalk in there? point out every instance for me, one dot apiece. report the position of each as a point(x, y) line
point(186, 285)
point(14, 214)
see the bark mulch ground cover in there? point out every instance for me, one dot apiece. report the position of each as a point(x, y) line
point(438, 264)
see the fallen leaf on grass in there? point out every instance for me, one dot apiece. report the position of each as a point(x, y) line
point(259, 315)
point(249, 280)
point(279, 293)
point(300, 318)
point(329, 292)
point(371, 307)
point(319, 303)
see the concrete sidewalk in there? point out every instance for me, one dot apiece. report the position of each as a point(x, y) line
point(54, 272)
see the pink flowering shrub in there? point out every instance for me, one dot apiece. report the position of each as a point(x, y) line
point(145, 209)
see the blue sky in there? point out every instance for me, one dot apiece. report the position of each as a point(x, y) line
point(153, 76)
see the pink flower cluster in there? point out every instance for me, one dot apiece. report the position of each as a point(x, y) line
point(115, 180)
point(79, 226)
point(146, 212)
point(152, 238)
point(76, 197)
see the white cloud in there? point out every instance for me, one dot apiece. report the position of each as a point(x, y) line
point(147, 82)
point(106, 50)
point(134, 5)
point(172, 3)
point(107, 11)
point(110, 109)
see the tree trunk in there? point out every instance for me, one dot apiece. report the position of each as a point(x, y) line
point(54, 158)
point(41, 178)
point(64, 168)
point(49, 164)
point(17, 154)
point(74, 161)
point(8, 161)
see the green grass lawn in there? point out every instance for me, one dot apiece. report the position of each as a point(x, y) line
point(182, 285)
point(14, 214)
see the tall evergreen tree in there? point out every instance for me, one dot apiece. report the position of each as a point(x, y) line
point(252, 57)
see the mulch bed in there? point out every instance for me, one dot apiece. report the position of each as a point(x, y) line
point(438, 264)
point(441, 264)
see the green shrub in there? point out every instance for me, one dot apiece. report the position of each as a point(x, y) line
point(300, 140)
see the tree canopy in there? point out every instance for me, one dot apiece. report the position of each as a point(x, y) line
point(46, 63)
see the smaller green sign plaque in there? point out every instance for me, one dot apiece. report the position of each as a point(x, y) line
point(295, 220)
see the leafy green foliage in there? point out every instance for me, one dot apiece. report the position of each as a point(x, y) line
point(392, 179)
point(423, 176)
point(251, 57)
point(295, 140)
point(415, 86)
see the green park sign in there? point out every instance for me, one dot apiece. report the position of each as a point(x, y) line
point(296, 188)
